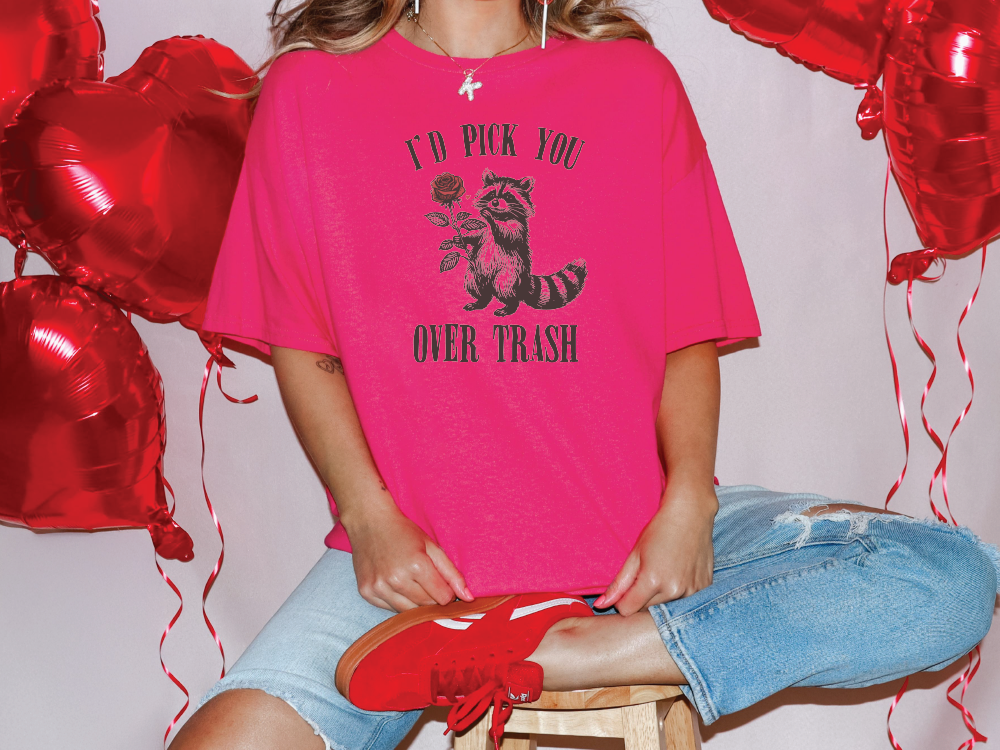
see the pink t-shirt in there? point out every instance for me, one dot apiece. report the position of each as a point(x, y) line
point(501, 276)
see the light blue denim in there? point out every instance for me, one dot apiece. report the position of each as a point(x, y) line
point(846, 599)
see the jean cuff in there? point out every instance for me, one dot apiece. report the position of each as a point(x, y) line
point(696, 691)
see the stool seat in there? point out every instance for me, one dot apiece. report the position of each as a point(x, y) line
point(607, 697)
point(646, 717)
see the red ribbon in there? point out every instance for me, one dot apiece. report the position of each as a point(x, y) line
point(912, 267)
point(211, 509)
point(177, 614)
point(942, 468)
point(895, 702)
point(964, 681)
point(895, 368)
point(166, 671)
point(929, 353)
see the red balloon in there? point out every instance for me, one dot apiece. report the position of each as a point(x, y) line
point(82, 428)
point(126, 186)
point(844, 38)
point(41, 41)
point(942, 120)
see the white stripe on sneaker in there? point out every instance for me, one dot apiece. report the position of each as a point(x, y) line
point(454, 624)
point(480, 616)
point(532, 608)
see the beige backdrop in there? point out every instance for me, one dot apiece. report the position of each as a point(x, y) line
point(810, 408)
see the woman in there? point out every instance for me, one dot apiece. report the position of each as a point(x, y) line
point(493, 276)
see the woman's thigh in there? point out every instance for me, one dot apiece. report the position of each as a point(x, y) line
point(845, 599)
point(295, 657)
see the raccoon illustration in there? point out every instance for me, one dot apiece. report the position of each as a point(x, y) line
point(500, 256)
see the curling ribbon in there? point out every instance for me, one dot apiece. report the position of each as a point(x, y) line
point(964, 681)
point(929, 353)
point(895, 702)
point(942, 468)
point(895, 378)
point(215, 518)
point(902, 417)
point(912, 267)
point(166, 671)
point(177, 614)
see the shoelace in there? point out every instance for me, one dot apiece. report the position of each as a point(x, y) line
point(450, 683)
point(466, 712)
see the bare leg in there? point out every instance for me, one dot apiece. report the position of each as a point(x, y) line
point(246, 720)
point(590, 652)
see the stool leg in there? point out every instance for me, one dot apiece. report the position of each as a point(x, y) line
point(518, 742)
point(641, 728)
point(681, 727)
point(476, 737)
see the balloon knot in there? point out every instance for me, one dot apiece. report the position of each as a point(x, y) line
point(912, 266)
point(870, 113)
point(171, 541)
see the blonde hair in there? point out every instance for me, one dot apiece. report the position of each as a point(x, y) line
point(345, 26)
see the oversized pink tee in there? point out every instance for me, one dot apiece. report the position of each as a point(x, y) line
point(501, 277)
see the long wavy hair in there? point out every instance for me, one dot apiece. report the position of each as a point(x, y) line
point(345, 26)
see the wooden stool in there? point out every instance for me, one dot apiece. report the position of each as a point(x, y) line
point(647, 717)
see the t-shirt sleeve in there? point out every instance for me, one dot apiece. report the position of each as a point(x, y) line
point(706, 292)
point(267, 286)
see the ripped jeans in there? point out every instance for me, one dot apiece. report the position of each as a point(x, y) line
point(839, 600)
point(844, 599)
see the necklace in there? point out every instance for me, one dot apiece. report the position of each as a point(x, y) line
point(469, 86)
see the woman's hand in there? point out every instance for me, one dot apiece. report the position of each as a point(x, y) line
point(397, 565)
point(673, 556)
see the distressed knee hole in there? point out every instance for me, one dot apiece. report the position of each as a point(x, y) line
point(859, 517)
point(838, 509)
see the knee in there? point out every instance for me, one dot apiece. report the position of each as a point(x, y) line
point(977, 572)
point(954, 587)
point(245, 719)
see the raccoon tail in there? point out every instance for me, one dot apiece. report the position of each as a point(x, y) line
point(557, 289)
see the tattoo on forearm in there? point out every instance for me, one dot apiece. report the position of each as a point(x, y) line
point(330, 364)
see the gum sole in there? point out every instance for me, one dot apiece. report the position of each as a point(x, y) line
point(397, 624)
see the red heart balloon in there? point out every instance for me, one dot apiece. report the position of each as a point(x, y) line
point(82, 429)
point(942, 120)
point(41, 41)
point(126, 185)
point(843, 38)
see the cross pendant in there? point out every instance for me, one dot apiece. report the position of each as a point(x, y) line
point(469, 86)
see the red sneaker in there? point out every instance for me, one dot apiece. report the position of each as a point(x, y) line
point(464, 654)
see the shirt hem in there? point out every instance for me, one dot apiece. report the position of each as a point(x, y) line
point(723, 332)
point(263, 340)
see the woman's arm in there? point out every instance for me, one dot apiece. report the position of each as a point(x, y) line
point(673, 556)
point(397, 565)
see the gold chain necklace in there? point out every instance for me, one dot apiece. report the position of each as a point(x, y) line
point(468, 87)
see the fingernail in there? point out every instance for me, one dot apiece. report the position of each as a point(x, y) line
point(468, 594)
point(599, 601)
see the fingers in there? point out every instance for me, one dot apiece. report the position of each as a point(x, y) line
point(449, 573)
point(401, 594)
point(417, 583)
point(376, 601)
point(644, 588)
point(649, 590)
point(625, 578)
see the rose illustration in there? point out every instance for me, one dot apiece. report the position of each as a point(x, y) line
point(447, 188)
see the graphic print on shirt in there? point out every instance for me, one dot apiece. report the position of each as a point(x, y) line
point(497, 251)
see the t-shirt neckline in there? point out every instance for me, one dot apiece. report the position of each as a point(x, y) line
point(403, 46)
